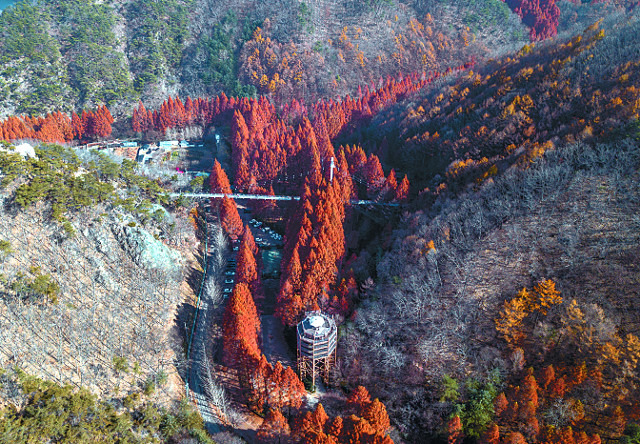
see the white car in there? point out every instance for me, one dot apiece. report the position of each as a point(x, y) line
point(228, 281)
point(236, 248)
point(230, 273)
point(227, 290)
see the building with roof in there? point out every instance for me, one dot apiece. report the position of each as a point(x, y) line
point(317, 340)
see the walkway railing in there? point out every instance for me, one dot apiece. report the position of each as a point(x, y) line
point(238, 196)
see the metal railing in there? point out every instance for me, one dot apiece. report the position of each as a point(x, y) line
point(267, 197)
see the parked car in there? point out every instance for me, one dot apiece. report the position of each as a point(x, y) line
point(230, 273)
point(228, 281)
point(227, 290)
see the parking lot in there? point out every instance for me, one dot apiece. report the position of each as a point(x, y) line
point(265, 237)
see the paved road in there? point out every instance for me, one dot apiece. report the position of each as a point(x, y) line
point(198, 347)
point(274, 346)
point(205, 314)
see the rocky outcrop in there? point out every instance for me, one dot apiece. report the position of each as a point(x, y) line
point(147, 251)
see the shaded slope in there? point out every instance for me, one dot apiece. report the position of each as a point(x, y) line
point(512, 199)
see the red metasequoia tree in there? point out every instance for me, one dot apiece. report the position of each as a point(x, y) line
point(491, 435)
point(218, 180)
point(515, 438)
point(275, 387)
point(78, 128)
point(292, 390)
point(247, 268)
point(230, 219)
point(369, 427)
point(376, 414)
point(500, 404)
point(314, 246)
point(374, 175)
point(356, 429)
point(358, 400)
point(541, 16)
point(274, 428)
point(548, 375)
point(58, 127)
point(313, 422)
point(100, 123)
point(402, 191)
point(247, 237)
point(241, 328)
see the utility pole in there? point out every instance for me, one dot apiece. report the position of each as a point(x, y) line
point(331, 167)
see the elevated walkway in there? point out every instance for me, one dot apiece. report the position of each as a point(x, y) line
point(238, 196)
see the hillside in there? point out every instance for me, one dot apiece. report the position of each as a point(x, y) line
point(94, 275)
point(447, 188)
point(570, 218)
point(511, 109)
point(198, 48)
point(509, 199)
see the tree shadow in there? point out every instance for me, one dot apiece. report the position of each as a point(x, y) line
point(187, 309)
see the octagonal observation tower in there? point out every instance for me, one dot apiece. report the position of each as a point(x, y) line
point(317, 339)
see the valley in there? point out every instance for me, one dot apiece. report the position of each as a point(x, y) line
point(325, 222)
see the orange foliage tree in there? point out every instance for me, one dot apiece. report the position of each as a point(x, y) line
point(230, 219)
point(241, 328)
point(58, 127)
point(247, 268)
point(274, 428)
point(218, 180)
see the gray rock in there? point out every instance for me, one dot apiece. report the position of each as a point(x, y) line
point(102, 242)
point(147, 251)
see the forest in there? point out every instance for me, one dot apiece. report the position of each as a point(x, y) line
point(49, 49)
point(466, 175)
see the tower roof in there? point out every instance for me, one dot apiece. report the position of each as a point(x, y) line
point(316, 325)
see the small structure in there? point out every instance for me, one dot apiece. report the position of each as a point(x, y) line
point(168, 144)
point(317, 340)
